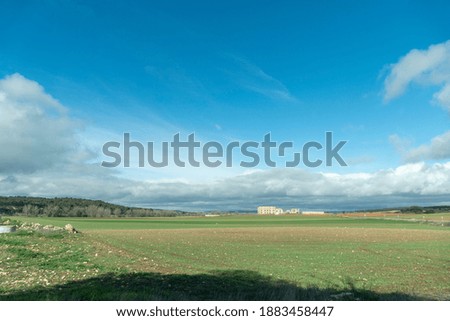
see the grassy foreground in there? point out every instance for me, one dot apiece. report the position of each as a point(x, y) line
point(228, 258)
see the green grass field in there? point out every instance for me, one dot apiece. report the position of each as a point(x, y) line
point(232, 257)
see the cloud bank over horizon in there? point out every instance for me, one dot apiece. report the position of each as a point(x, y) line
point(410, 184)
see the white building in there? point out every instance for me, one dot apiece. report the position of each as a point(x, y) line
point(273, 210)
point(313, 212)
point(269, 210)
point(278, 211)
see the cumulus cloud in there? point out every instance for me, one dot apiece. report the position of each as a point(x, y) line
point(35, 130)
point(427, 67)
point(442, 97)
point(438, 148)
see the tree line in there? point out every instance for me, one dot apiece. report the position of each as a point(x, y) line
point(75, 207)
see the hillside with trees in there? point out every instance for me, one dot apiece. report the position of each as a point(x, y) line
point(75, 207)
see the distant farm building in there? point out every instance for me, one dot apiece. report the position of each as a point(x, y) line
point(273, 210)
point(279, 211)
point(267, 210)
point(313, 212)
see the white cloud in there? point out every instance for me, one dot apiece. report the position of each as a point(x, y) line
point(426, 67)
point(35, 131)
point(438, 148)
point(19, 89)
point(442, 97)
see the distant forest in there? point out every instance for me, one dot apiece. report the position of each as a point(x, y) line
point(75, 207)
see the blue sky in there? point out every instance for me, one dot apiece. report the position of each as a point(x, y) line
point(232, 70)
